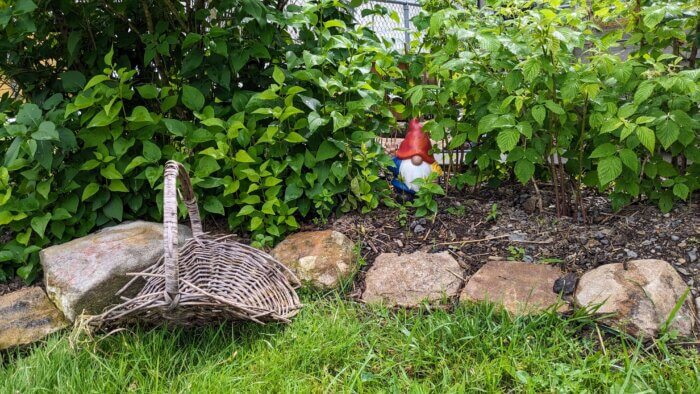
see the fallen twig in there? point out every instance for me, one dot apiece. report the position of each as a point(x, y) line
point(473, 241)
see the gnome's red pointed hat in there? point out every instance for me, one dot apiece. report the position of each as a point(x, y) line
point(415, 143)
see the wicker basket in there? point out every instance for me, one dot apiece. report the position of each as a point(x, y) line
point(208, 278)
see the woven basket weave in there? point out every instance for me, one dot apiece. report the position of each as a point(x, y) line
point(208, 278)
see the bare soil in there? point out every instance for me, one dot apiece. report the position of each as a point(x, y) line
point(466, 227)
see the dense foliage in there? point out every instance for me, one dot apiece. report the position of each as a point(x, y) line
point(604, 96)
point(274, 110)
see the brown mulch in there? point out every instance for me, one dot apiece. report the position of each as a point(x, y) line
point(12, 285)
point(520, 232)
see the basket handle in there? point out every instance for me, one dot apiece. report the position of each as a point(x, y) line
point(173, 172)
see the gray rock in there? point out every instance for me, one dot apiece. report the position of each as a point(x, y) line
point(638, 296)
point(675, 238)
point(521, 288)
point(83, 275)
point(516, 237)
point(530, 205)
point(631, 254)
point(407, 280)
point(27, 315)
point(319, 258)
point(566, 284)
point(693, 255)
point(418, 229)
point(528, 259)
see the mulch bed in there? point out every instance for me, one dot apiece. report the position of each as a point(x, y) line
point(521, 232)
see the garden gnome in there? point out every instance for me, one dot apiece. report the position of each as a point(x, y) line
point(413, 160)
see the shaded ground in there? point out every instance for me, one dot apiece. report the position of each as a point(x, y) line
point(12, 285)
point(466, 228)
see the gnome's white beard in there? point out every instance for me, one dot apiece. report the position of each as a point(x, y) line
point(409, 172)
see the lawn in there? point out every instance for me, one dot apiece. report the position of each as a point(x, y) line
point(337, 345)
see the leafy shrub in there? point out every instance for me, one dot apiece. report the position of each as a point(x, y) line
point(274, 112)
point(543, 92)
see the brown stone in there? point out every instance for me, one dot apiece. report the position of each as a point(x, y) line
point(409, 279)
point(521, 288)
point(83, 275)
point(321, 258)
point(640, 295)
point(27, 315)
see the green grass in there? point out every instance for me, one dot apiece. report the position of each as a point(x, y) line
point(337, 346)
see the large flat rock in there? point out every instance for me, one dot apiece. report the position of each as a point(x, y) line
point(83, 275)
point(640, 295)
point(320, 258)
point(27, 315)
point(407, 280)
point(521, 288)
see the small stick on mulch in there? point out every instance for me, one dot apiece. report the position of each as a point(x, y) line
point(474, 241)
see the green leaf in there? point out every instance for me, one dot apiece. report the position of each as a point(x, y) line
point(191, 39)
point(653, 18)
point(294, 138)
point(206, 165)
point(192, 98)
point(644, 119)
point(609, 169)
point(243, 157)
point(610, 125)
point(246, 210)
point(23, 7)
point(39, 223)
point(29, 115)
point(151, 151)
point(117, 185)
point(539, 113)
point(326, 151)
point(135, 162)
point(524, 170)
point(43, 188)
point(278, 76)
point(148, 92)
point(97, 79)
point(175, 127)
point(644, 90)
point(255, 223)
point(316, 121)
point(507, 139)
point(108, 57)
point(681, 191)
point(603, 150)
point(487, 123)
point(334, 23)
point(46, 131)
point(666, 202)
point(626, 110)
point(72, 81)
point(12, 152)
point(111, 172)
point(90, 190)
point(629, 159)
point(213, 205)
point(114, 209)
point(646, 137)
point(667, 132)
point(554, 107)
point(531, 69)
point(340, 121)
point(140, 114)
